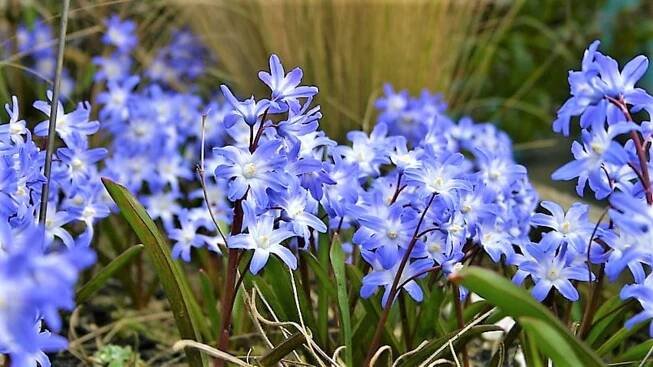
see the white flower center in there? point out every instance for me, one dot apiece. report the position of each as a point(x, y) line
point(88, 212)
point(392, 234)
point(466, 208)
point(77, 164)
point(565, 227)
point(396, 103)
point(455, 228)
point(21, 191)
point(438, 182)
point(493, 175)
point(188, 236)
point(263, 242)
point(294, 209)
point(435, 247)
point(249, 170)
point(598, 147)
point(553, 274)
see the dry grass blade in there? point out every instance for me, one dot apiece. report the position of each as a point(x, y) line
point(53, 113)
point(216, 353)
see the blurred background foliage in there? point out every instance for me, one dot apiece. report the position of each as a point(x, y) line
point(500, 61)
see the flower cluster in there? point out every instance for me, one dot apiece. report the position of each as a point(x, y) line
point(612, 161)
point(39, 265)
point(36, 42)
point(429, 197)
point(274, 170)
point(155, 134)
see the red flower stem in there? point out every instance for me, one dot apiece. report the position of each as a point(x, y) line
point(394, 288)
point(229, 293)
point(639, 148)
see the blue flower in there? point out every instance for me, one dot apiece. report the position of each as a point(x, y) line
point(15, 128)
point(598, 79)
point(572, 227)
point(386, 231)
point(77, 121)
point(120, 34)
point(251, 172)
point(550, 270)
point(443, 251)
point(117, 97)
point(367, 152)
point(35, 285)
point(440, 174)
point(248, 111)
point(643, 293)
point(80, 160)
point(392, 104)
point(495, 240)
point(498, 172)
point(54, 224)
point(263, 239)
point(299, 209)
point(186, 237)
point(114, 67)
point(384, 278)
point(285, 87)
point(599, 147)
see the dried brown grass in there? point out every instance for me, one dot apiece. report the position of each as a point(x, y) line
point(349, 48)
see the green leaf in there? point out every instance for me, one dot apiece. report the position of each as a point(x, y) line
point(174, 284)
point(531, 354)
point(98, 281)
point(210, 303)
point(517, 303)
point(429, 349)
point(636, 353)
point(552, 342)
point(603, 320)
point(617, 338)
point(323, 296)
point(272, 357)
point(321, 275)
point(338, 263)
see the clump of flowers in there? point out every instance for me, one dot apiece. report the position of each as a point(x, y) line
point(155, 134)
point(39, 265)
point(36, 43)
point(611, 162)
point(428, 201)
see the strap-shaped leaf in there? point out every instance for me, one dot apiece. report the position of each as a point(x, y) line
point(517, 303)
point(174, 284)
point(553, 343)
point(338, 263)
point(98, 281)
